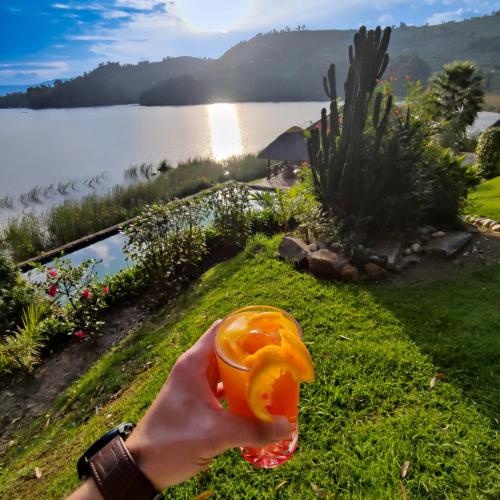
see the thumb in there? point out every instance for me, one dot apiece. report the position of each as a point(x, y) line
point(247, 432)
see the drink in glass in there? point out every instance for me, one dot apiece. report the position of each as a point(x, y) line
point(262, 360)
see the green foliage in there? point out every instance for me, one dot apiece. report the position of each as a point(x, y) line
point(167, 242)
point(229, 206)
point(29, 235)
point(457, 93)
point(279, 205)
point(488, 153)
point(22, 349)
point(369, 410)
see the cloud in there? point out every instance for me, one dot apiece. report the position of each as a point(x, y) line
point(444, 17)
point(115, 14)
point(31, 71)
point(386, 19)
point(71, 6)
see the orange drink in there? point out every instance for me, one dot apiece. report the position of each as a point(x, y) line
point(262, 360)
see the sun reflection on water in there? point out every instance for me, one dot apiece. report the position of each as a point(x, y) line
point(225, 130)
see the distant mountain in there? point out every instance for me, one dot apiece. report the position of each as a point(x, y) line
point(276, 66)
point(9, 89)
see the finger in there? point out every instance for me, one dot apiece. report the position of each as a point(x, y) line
point(246, 432)
point(200, 355)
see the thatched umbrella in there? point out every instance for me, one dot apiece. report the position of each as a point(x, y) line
point(289, 146)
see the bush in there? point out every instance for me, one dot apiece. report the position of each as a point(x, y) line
point(488, 153)
point(24, 237)
point(229, 207)
point(167, 242)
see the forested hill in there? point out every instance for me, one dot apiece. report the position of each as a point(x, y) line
point(276, 66)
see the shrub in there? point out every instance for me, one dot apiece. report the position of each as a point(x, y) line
point(229, 206)
point(24, 236)
point(167, 241)
point(22, 349)
point(488, 153)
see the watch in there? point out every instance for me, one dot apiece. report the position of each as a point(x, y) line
point(114, 469)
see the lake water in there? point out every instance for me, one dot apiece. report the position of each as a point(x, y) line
point(39, 148)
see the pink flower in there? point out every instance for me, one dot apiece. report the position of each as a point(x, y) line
point(86, 293)
point(105, 290)
point(80, 334)
point(52, 273)
point(52, 291)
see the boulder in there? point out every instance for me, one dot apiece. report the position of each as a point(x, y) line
point(438, 234)
point(326, 264)
point(448, 245)
point(416, 247)
point(313, 247)
point(374, 272)
point(409, 260)
point(294, 250)
point(496, 228)
point(390, 251)
point(349, 274)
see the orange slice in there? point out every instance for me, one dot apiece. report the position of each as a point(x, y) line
point(295, 350)
point(273, 384)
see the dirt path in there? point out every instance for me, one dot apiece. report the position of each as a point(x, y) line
point(25, 398)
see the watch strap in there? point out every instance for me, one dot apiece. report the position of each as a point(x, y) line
point(117, 475)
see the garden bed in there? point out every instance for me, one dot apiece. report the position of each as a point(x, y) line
point(400, 377)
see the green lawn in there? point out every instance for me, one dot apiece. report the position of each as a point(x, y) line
point(485, 201)
point(370, 409)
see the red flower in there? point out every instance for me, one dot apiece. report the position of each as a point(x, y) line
point(80, 334)
point(105, 290)
point(52, 291)
point(408, 78)
point(86, 293)
point(52, 273)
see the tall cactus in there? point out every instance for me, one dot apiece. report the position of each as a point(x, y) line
point(340, 153)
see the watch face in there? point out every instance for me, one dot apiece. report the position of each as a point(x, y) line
point(122, 430)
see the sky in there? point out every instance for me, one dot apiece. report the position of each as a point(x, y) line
point(42, 40)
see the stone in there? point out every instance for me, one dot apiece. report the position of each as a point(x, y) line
point(304, 231)
point(326, 264)
point(410, 260)
point(390, 251)
point(313, 247)
point(375, 259)
point(349, 274)
point(408, 251)
point(416, 247)
point(488, 223)
point(448, 245)
point(294, 250)
point(438, 234)
point(424, 231)
point(374, 272)
point(321, 245)
point(496, 228)
point(470, 228)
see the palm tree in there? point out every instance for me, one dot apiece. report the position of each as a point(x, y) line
point(457, 92)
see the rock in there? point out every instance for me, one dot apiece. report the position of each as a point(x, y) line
point(424, 231)
point(488, 223)
point(408, 251)
point(410, 260)
point(496, 228)
point(321, 245)
point(349, 274)
point(304, 231)
point(326, 264)
point(375, 259)
point(374, 272)
point(416, 247)
point(470, 228)
point(294, 250)
point(438, 234)
point(313, 247)
point(449, 245)
point(390, 251)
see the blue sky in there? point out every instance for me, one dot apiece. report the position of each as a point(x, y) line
point(42, 39)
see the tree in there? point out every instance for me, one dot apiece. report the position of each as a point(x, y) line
point(457, 93)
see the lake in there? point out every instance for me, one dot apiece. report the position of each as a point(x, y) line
point(39, 148)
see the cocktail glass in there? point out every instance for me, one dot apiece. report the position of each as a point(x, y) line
point(234, 375)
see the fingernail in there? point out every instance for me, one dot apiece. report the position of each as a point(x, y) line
point(281, 428)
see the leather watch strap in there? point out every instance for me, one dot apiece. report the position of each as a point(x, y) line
point(117, 474)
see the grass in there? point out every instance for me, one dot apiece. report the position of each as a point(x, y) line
point(370, 409)
point(30, 234)
point(485, 201)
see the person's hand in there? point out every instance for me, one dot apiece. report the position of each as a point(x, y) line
point(186, 426)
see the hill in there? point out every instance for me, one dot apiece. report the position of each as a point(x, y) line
point(276, 66)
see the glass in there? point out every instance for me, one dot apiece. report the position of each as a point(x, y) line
point(234, 376)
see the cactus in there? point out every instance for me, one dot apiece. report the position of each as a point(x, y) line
point(340, 154)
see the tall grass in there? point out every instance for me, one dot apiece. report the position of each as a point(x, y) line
point(30, 234)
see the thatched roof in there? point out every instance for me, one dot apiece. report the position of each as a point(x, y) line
point(290, 145)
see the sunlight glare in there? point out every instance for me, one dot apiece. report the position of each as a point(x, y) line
point(225, 130)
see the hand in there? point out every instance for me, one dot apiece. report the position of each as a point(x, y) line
point(186, 426)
